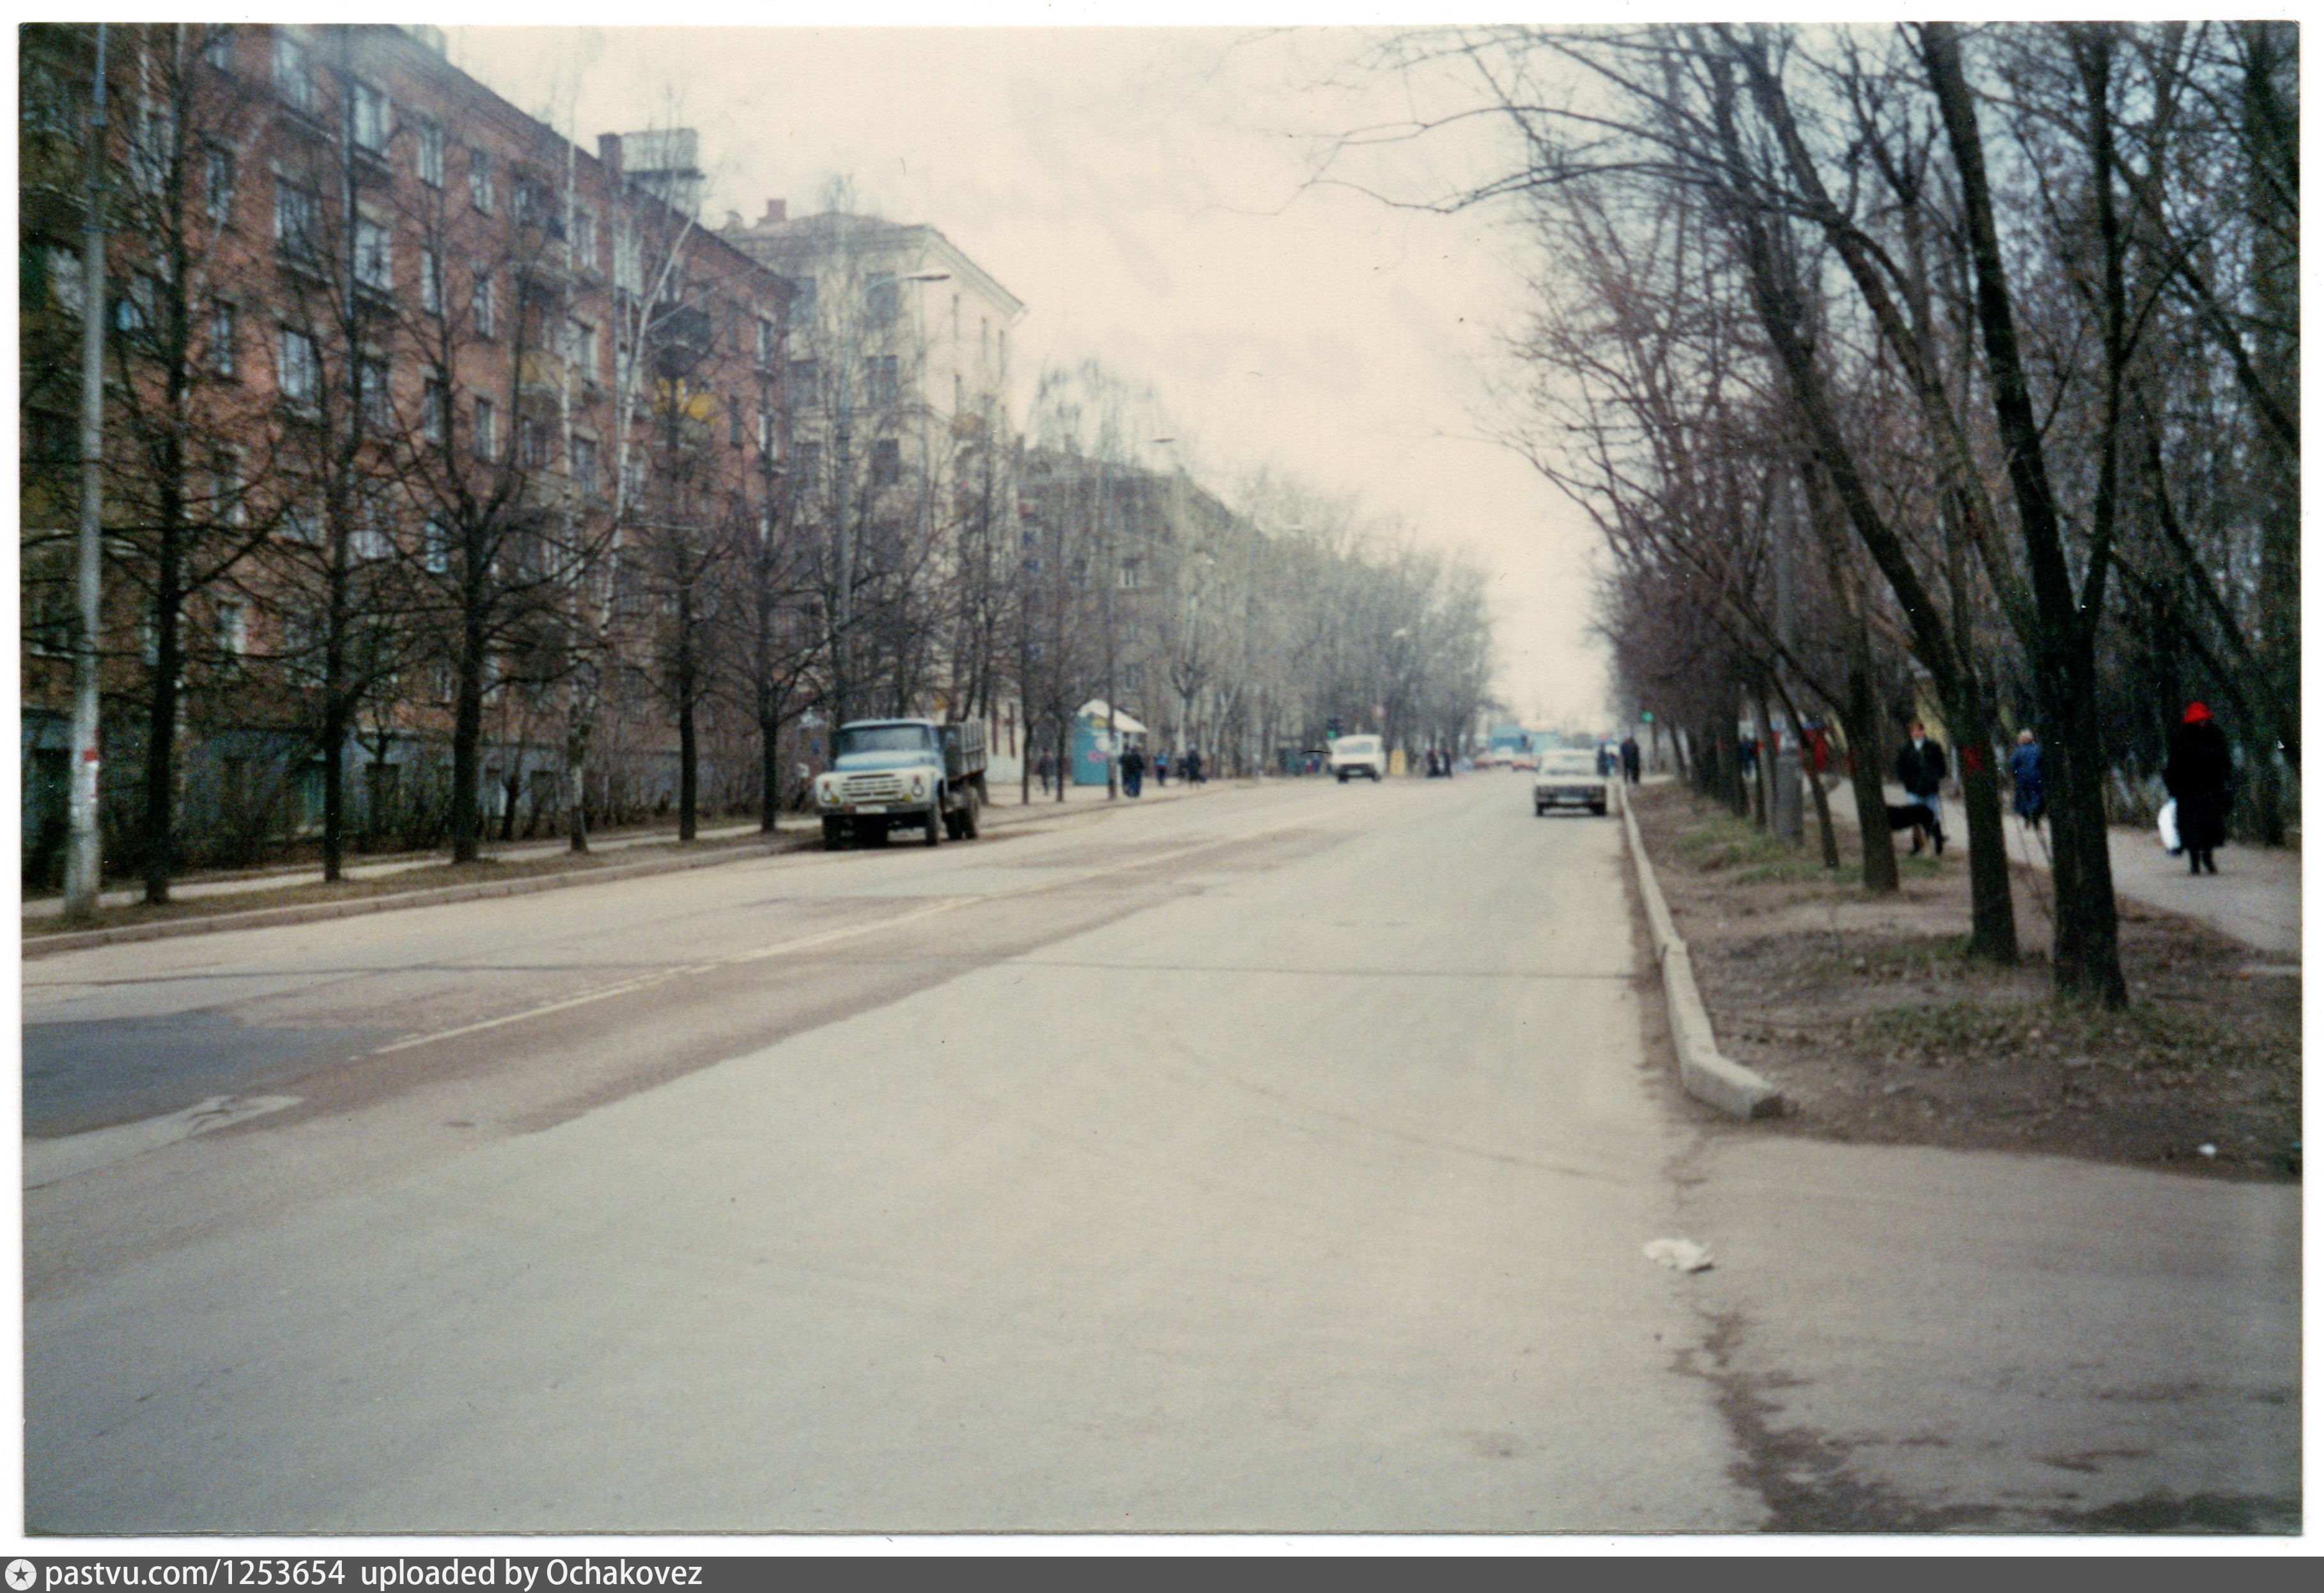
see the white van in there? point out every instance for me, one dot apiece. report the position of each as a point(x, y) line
point(1354, 755)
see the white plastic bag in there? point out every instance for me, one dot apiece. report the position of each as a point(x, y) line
point(2166, 826)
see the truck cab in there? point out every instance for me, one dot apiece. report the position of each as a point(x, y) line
point(918, 774)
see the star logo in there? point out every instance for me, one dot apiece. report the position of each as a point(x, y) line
point(20, 1575)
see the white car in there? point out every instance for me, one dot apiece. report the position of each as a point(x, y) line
point(1569, 778)
point(1355, 755)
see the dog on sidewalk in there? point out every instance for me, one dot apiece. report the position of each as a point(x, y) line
point(1914, 818)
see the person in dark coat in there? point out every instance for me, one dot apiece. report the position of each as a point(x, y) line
point(1133, 772)
point(1921, 770)
point(2199, 776)
point(2026, 779)
point(1190, 766)
point(1630, 760)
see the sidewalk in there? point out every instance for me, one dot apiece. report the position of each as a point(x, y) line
point(193, 887)
point(2254, 897)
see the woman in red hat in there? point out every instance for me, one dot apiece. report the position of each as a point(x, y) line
point(2198, 778)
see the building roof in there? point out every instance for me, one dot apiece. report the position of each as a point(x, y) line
point(783, 240)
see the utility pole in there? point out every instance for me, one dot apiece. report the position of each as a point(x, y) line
point(84, 865)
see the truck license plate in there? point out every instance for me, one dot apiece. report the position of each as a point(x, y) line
point(872, 807)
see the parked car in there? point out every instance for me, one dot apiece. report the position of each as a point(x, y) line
point(1355, 755)
point(1518, 760)
point(1569, 778)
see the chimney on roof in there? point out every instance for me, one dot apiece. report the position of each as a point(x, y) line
point(609, 152)
point(733, 222)
point(778, 210)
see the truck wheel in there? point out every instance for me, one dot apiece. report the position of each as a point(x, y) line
point(968, 816)
point(931, 832)
point(835, 835)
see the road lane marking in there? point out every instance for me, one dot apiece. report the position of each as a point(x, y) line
point(822, 938)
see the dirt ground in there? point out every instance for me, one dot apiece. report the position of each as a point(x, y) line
point(1876, 1026)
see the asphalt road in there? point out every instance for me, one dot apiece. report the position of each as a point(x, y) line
point(1278, 1159)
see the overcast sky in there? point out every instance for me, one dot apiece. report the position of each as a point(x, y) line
point(1141, 191)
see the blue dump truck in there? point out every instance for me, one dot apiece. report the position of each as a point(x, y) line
point(913, 774)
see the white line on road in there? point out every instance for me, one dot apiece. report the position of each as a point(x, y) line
point(808, 942)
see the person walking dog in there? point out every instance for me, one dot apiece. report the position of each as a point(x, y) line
point(1921, 770)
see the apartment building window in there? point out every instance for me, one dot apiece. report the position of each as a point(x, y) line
point(427, 158)
point(581, 347)
point(585, 234)
point(218, 183)
point(374, 255)
point(370, 539)
point(226, 487)
point(585, 462)
point(880, 380)
point(483, 437)
point(734, 424)
point(431, 281)
point(433, 408)
point(879, 299)
point(887, 461)
point(294, 80)
point(633, 478)
point(135, 310)
point(767, 434)
point(766, 342)
point(480, 180)
point(1130, 577)
point(232, 628)
point(801, 315)
point(480, 303)
point(301, 376)
point(436, 552)
point(538, 443)
point(807, 467)
point(222, 339)
point(628, 275)
point(371, 118)
point(377, 399)
point(301, 523)
point(804, 385)
point(217, 47)
point(296, 213)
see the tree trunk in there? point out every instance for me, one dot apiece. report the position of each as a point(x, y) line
point(467, 739)
point(2089, 961)
point(1993, 919)
point(770, 771)
point(1860, 723)
point(162, 719)
point(576, 768)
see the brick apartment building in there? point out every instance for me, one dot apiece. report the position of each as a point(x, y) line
point(419, 419)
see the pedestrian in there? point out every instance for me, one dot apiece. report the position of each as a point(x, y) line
point(2199, 776)
point(1047, 768)
point(2026, 779)
point(1921, 770)
point(1190, 766)
point(1630, 760)
point(1133, 772)
point(1161, 769)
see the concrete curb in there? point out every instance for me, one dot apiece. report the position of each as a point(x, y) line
point(1702, 1072)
